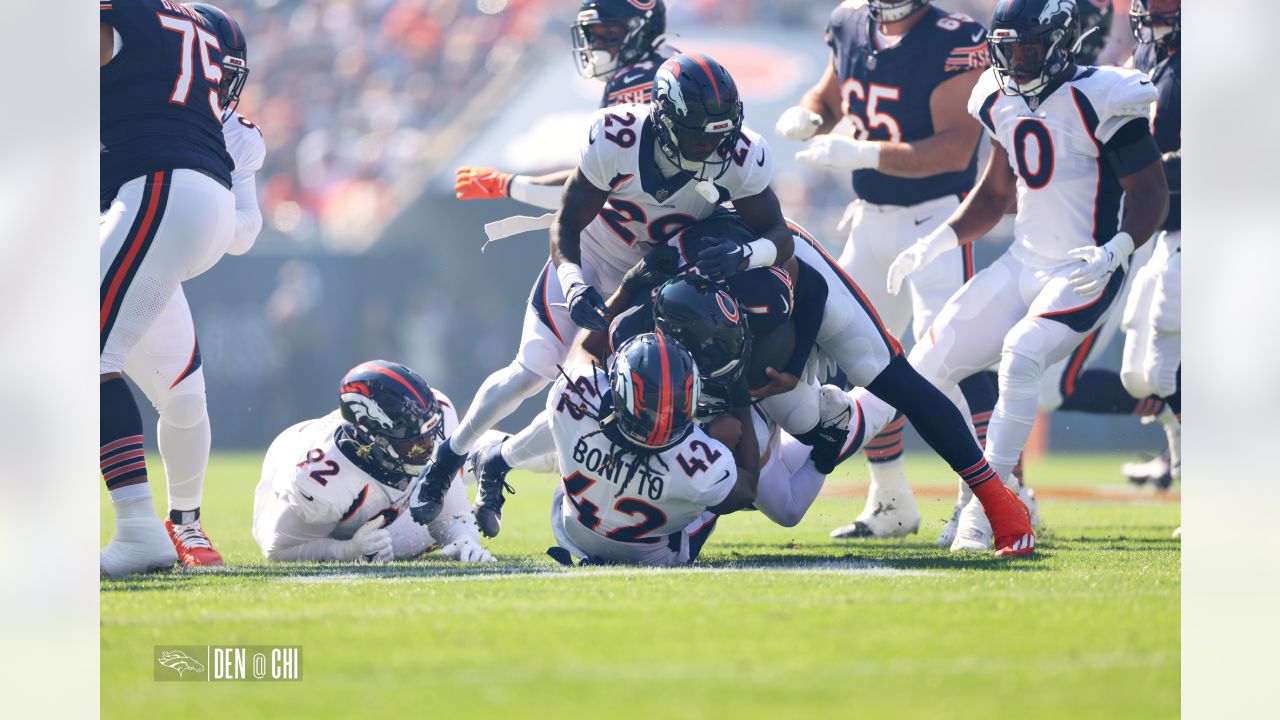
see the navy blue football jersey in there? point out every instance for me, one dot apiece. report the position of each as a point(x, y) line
point(886, 92)
point(633, 84)
point(1166, 73)
point(159, 107)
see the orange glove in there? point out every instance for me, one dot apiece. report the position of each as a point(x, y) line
point(480, 183)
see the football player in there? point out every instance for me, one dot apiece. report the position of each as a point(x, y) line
point(646, 172)
point(168, 214)
point(335, 488)
point(1072, 147)
point(900, 71)
point(166, 364)
point(1152, 318)
point(618, 41)
point(641, 483)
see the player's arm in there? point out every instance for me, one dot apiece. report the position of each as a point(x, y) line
point(579, 205)
point(763, 214)
point(954, 139)
point(1134, 156)
point(818, 111)
point(746, 456)
point(485, 183)
point(106, 43)
point(996, 192)
point(287, 536)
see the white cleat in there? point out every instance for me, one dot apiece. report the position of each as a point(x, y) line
point(141, 545)
point(890, 513)
point(973, 532)
point(1028, 498)
point(1177, 534)
point(948, 534)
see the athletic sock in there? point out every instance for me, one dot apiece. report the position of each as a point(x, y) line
point(526, 448)
point(1101, 392)
point(185, 452)
point(121, 458)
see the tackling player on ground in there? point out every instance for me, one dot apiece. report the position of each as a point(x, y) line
point(1072, 147)
point(168, 214)
point(335, 488)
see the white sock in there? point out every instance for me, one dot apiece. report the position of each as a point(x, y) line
point(185, 452)
point(526, 449)
point(499, 395)
point(133, 501)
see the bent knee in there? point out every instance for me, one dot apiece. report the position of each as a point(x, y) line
point(183, 406)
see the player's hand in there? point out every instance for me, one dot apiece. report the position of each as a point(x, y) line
point(722, 259)
point(920, 254)
point(779, 382)
point(480, 183)
point(1099, 264)
point(655, 268)
point(372, 542)
point(797, 123)
point(587, 308)
point(466, 550)
point(840, 152)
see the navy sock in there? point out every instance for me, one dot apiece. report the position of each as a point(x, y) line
point(931, 413)
point(120, 453)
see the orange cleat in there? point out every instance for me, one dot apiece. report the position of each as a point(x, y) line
point(1010, 520)
point(480, 183)
point(193, 546)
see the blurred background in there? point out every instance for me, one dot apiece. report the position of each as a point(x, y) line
point(367, 106)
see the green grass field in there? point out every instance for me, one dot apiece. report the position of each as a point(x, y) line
point(772, 622)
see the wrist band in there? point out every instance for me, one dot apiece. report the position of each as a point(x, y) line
point(761, 253)
point(570, 274)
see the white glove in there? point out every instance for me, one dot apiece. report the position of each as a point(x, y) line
point(840, 153)
point(371, 543)
point(797, 123)
point(920, 254)
point(466, 550)
point(1099, 263)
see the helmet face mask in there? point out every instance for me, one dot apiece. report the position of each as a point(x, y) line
point(887, 11)
point(235, 55)
point(394, 418)
point(654, 389)
point(1156, 21)
point(1028, 54)
point(609, 35)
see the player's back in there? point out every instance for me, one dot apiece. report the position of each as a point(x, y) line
point(159, 101)
point(886, 91)
point(619, 506)
point(1069, 196)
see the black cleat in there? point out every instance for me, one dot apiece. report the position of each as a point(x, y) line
point(491, 470)
point(426, 498)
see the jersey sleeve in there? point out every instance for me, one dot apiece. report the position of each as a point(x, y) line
point(596, 157)
point(965, 47)
point(756, 171)
point(983, 98)
point(838, 25)
point(1128, 94)
point(710, 487)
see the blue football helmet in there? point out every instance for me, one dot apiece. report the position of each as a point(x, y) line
point(887, 11)
point(1156, 21)
point(609, 35)
point(235, 55)
point(697, 114)
point(393, 417)
point(654, 389)
point(1032, 42)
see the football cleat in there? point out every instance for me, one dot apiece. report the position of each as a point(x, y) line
point(948, 534)
point(192, 545)
point(426, 498)
point(1155, 471)
point(1028, 498)
point(835, 411)
point(890, 512)
point(1009, 522)
point(973, 530)
point(140, 546)
point(491, 470)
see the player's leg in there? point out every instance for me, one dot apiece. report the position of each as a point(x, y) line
point(1163, 363)
point(166, 366)
point(156, 233)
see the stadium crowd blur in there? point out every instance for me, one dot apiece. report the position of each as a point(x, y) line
point(363, 105)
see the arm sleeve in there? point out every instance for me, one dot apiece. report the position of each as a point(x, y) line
point(245, 188)
point(1130, 95)
point(595, 159)
point(807, 313)
point(455, 521)
point(320, 550)
point(1131, 148)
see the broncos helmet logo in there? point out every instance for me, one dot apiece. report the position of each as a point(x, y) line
point(1053, 7)
point(365, 407)
point(666, 85)
point(179, 661)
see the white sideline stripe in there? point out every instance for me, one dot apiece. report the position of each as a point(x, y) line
point(415, 574)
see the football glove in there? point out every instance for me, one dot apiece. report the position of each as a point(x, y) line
point(654, 268)
point(466, 550)
point(722, 259)
point(840, 152)
point(371, 543)
point(920, 254)
point(480, 183)
point(798, 123)
point(1099, 264)
point(587, 308)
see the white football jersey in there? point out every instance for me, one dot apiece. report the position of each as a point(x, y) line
point(618, 154)
point(619, 507)
point(245, 146)
point(311, 490)
point(1068, 195)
